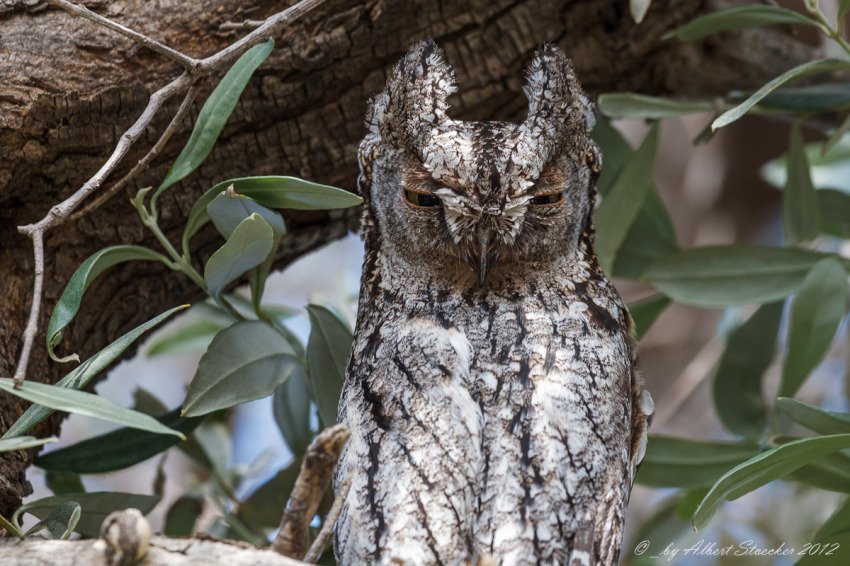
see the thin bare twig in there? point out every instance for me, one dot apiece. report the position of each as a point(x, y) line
point(196, 70)
point(60, 212)
point(324, 536)
point(32, 322)
point(309, 490)
point(269, 27)
point(246, 24)
point(185, 61)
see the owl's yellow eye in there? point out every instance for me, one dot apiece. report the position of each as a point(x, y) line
point(551, 198)
point(422, 200)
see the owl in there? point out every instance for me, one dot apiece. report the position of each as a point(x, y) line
point(495, 410)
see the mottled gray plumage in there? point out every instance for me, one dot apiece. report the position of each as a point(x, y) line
point(492, 397)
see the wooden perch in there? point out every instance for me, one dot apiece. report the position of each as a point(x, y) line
point(310, 487)
point(163, 551)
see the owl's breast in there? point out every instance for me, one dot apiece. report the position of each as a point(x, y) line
point(574, 344)
point(491, 426)
point(553, 383)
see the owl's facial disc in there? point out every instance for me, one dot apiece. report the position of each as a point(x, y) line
point(479, 201)
point(471, 230)
point(489, 223)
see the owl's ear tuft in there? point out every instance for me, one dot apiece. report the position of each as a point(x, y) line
point(416, 96)
point(556, 101)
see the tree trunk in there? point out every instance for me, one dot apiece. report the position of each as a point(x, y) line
point(69, 89)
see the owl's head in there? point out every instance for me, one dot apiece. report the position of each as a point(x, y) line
point(478, 197)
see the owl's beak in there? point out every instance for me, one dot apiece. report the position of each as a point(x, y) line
point(485, 258)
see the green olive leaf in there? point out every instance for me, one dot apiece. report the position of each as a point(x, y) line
point(724, 276)
point(214, 114)
point(633, 106)
point(23, 442)
point(71, 401)
point(738, 17)
point(247, 247)
point(82, 375)
point(246, 361)
point(816, 313)
point(804, 70)
point(69, 303)
point(750, 348)
point(328, 349)
point(272, 192)
point(679, 462)
point(764, 468)
point(620, 207)
point(800, 210)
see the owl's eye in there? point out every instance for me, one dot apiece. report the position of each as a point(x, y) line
point(422, 200)
point(551, 198)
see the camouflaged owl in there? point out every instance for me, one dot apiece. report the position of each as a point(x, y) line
point(495, 410)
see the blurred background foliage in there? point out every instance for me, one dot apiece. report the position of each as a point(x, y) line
point(725, 223)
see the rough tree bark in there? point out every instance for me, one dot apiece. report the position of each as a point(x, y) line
point(68, 89)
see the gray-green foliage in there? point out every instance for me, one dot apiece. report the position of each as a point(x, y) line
point(750, 349)
point(246, 361)
point(85, 372)
point(804, 282)
point(326, 360)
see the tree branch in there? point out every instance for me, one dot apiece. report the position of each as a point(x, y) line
point(268, 28)
point(32, 321)
point(324, 536)
point(309, 490)
point(164, 551)
point(246, 24)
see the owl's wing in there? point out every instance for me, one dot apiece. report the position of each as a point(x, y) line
point(598, 540)
point(414, 423)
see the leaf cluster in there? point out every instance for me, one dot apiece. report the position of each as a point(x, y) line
point(250, 354)
point(796, 294)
